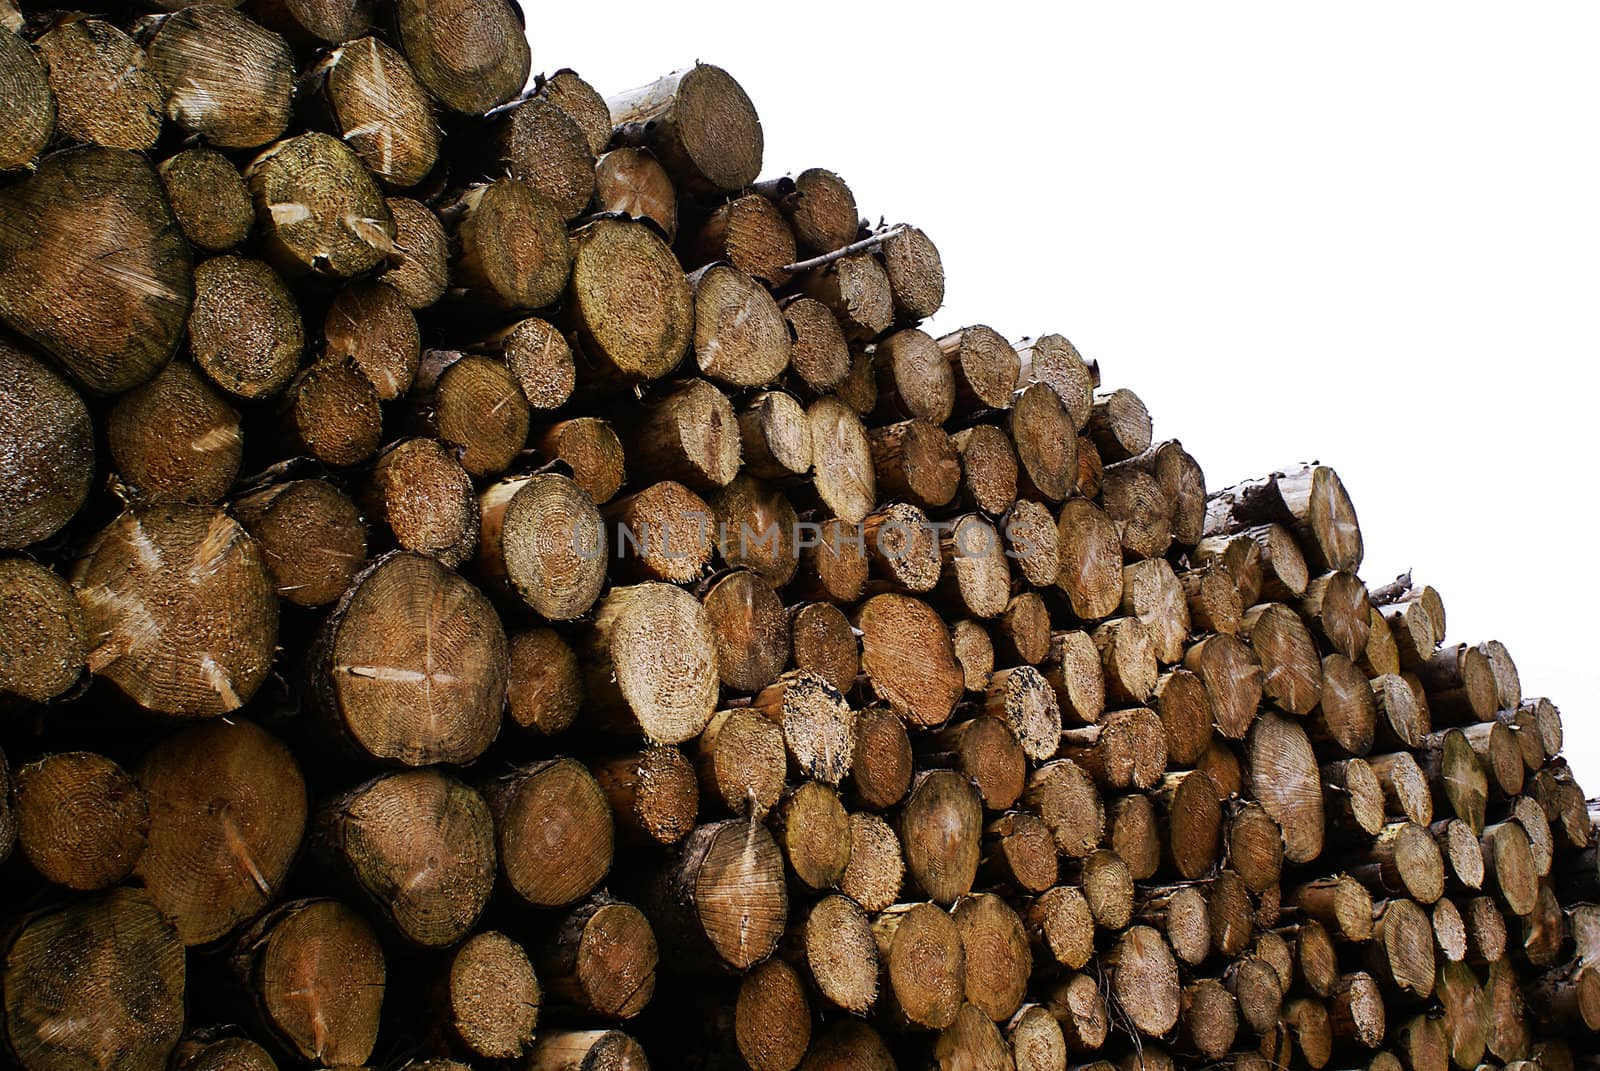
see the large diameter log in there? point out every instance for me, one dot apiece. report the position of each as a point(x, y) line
point(924, 965)
point(81, 820)
point(723, 899)
point(412, 664)
point(907, 655)
point(312, 538)
point(46, 449)
point(1311, 499)
point(1347, 712)
point(420, 845)
point(651, 663)
point(699, 123)
point(179, 609)
point(471, 56)
point(318, 208)
point(1091, 560)
point(93, 267)
point(332, 414)
point(512, 248)
point(543, 539)
point(317, 974)
point(941, 828)
point(227, 813)
point(225, 78)
point(104, 90)
point(44, 639)
point(1151, 592)
point(553, 830)
point(95, 984)
point(1285, 778)
point(601, 960)
point(493, 996)
point(176, 438)
point(824, 643)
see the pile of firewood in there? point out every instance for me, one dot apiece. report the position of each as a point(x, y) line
point(492, 581)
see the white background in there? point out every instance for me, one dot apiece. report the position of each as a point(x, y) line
point(1366, 234)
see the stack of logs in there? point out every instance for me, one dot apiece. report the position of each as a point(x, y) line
point(494, 583)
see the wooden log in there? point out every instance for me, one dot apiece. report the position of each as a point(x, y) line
point(44, 640)
point(740, 336)
point(331, 413)
point(1258, 991)
point(47, 446)
point(511, 246)
point(723, 899)
point(1061, 926)
point(1128, 659)
point(1508, 861)
point(1232, 678)
point(584, 1050)
point(569, 92)
point(880, 771)
point(553, 831)
point(1180, 912)
point(771, 1018)
point(1066, 799)
point(986, 367)
point(941, 829)
point(225, 78)
point(1402, 722)
point(420, 846)
point(1403, 860)
point(1355, 795)
point(1125, 750)
point(650, 662)
point(630, 182)
point(841, 954)
point(653, 793)
point(312, 538)
point(1055, 362)
point(908, 659)
point(1189, 800)
point(1119, 425)
point(1213, 598)
point(492, 997)
point(1151, 592)
point(1144, 979)
point(1183, 487)
point(1139, 508)
point(813, 829)
point(380, 109)
point(1022, 631)
point(1210, 1018)
point(1255, 847)
point(876, 869)
point(108, 301)
point(775, 437)
point(1135, 835)
point(1019, 851)
point(30, 107)
point(1073, 670)
point(412, 664)
point(105, 93)
point(819, 728)
point(1507, 684)
point(541, 144)
point(1232, 915)
point(1339, 903)
point(419, 489)
point(916, 274)
point(601, 960)
point(987, 752)
point(996, 953)
point(1091, 560)
point(1346, 715)
point(1401, 954)
point(1311, 500)
point(317, 975)
point(1047, 458)
point(208, 1050)
point(855, 289)
point(1405, 786)
point(419, 267)
point(818, 205)
point(751, 234)
point(972, 1041)
point(699, 123)
point(318, 208)
point(96, 982)
point(664, 532)
point(1181, 703)
point(1291, 672)
point(208, 196)
point(472, 58)
point(740, 760)
point(544, 542)
point(1080, 1009)
point(81, 820)
point(750, 629)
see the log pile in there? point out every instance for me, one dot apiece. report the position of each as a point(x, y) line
point(493, 581)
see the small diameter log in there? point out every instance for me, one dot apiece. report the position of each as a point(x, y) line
point(1346, 714)
point(1022, 631)
point(1151, 593)
point(971, 1041)
point(317, 974)
point(471, 58)
point(1181, 913)
point(877, 866)
point(1036, 1041)
point(46, 449)
point(81, 820)
point(654, 794)
point(419, 489)
point(1465, 1013)
point(380, 110)
point(1336, 605)
point(1136, 504)
point(209, 198)
point(1463, 855)
point(1312, 500)
point(1405, 786)
point(665, 532)
point(880, 771)
point(412, 664)
point(1128, 659)
point(772, 1019)
point(819, 729)
point(1285, 778)
point(740, 336)
point(818, 353)
point(542, 145)
point(841, 458)
point(1339, 903)
point(176, 438)
point(1055, 362)
point(1499, 754)
point(1508, 1036)
point(1091, 560)
point(225, 78)
point(95, 983)
point(1183, 486)
point(1507, 685)
point(1190, 802)
point(988, 464)
point(512, 251)
point(1356, 1013)
point(741, 763)
point(420, 845)
point(312, 538)
point(1402, 721)
point(1232, 677)
point(419, 267)
point(601, 960)
point(227, 813)
point(1455, 775)
point(543, 541)
point(986, 368)
point(1508, 862)
point(318, 208)
point(370, 324)
point(1179, 700)
point(1255, 984)
point(757, 528)
point(1108, 886)
point(941, 829)
point(584, 1050)
point(924, 965)
point(650, 662)
point(1047, 449)
point(841, 954)
point(1018, 850)
point(44, 638)
point(1255, 847)
point(690, 435)
point(819, 207)
point(1125, 750)
point(1530, 814)
point(1034, 543)
point(591, 450)
point(723, 899)
point(493, 996)
point(699, 123)
point(1401, 954)
point(824, 643)
point(914, 379)
point(1210, 1018)
point(93, 267)
point(30, 108)
point(998, 960)
point(985, 750)
point(1275, 558)
point(332, 414)
point(1119, 425)
point(908, 658)
point(553, 831)
point(975, 653)
point(1144, 979)
point(1080, 1009)
point(1061, 926)
point(1066, 799)
point(1291, 674)
point(630, 183)
point(179, 609)
point(1221, 760)
point(849, 1045)
point(1213, 598)
point(915, 461)
point(568, 91)
point(1404, 860)
point(104, 92)
point(1354, 796)
point(775, 436)
point(750, 234)
point(1023, 699)
point(916, 274)
point(813, 830)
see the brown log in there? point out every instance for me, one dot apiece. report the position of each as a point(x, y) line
point(750, 234)
point(631, 183)
point(1125, 750)
point(972, 1041)
point(1312, 500)
point(619, 265)
point(1033, 541)
point(819, 206)
point(849, 1046)
point(650, 662)
point(47, 443)
point(741, 762)
point(1422, 1043)
point(1018, 850)
point(1221, 760)
point(1022, 631)
point(1401, 954)
point(109, 302)
point(1232, 677)
point(1210, 1018)
point(907, 656)
point(126, 1008)
point(916, 274)
point(317, 975)
point(924, 965)
point(331, 413)
point(1061, 926)
point(1080, 1009)
point(493, 996)
point(569, 92)
point(583, 1050)
point(1194, 822)
point(1356, 1013)
point(824, 643)
point(1119, 424)
point(1183, 486)
point(1255, 847)
point(1346, 714)
point(1073, 670)
point(591, 449)
point(986, 367)
point(740, 336)
point(654, 794)
point(601, 960)
point(1151, 592)
point(664, 532)
point(1055, 362)
point(1258, 990)
point(213, 1050)
point(1091, 470)
point(44, 640)
point(420, 846)
point(1291, 670)
point(1181, 913)
point(471, 59)
point(1339, 903)
point(842, 462)
point(819, 729)
point(699, 123)
point(855, 289)
point(722, 900)
point(1144, 979)
point(1047, 458)
point(1066, 798)
point(914, 379)
point(318, 207)
point(941, 828)
point(1231, 913)
point(1181, 703)
point(1135, 835)
point(419, 267)
point(419, 489)
point(379, 108)
point(1463, 855)
point(30, 110)
point(104, 92)
point(412, 664)
point(1486, 931)
point(1213, 599)
point(1091, 560)
point(1539, 734)
point(1403, 860)
point(1139, 508)
point(1405, 786)
point(1354, 796)
point(1402, 721)
point(1456, 775)
point(987, 752)
point(877, 865)
point(813, 831)
point(544, 542)
point(553, 831)
point(208, 196)
point(80, 819)
point(750, 627)
point(225, 78)
point(541, 144)
point(840, 954)
point(1508, 1036)
point(511, 245)
point(995, 949)
point(1508, 861)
